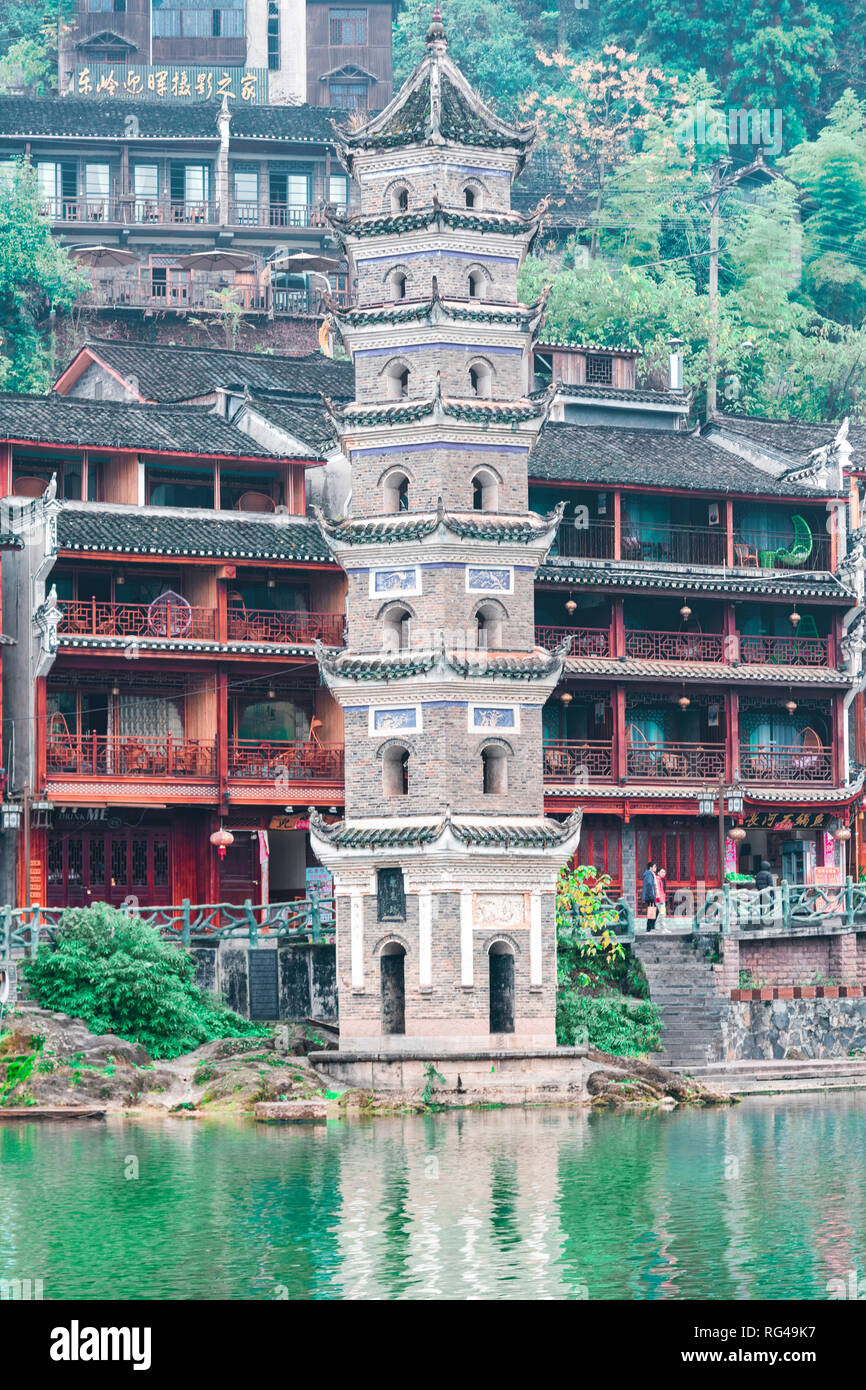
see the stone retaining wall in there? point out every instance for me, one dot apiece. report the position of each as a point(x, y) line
point(801, 1028)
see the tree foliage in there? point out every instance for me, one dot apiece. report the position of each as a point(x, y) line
point(118, 974)
point(491, 43)
point(36, 276)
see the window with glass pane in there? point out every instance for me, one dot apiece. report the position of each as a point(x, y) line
point(338, 191)
point(145, 186)
point(195, 183)
point(349, 96)
point(273, 36)
point(166, 24)
point(96, 186)
point(246, 191)
point(348, 26)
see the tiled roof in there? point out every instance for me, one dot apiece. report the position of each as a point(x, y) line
point(704, 671)
point(407, 410)
point(696, 579)
point(399, 665)
point(307, 423)
point(625, 393)
point(176, 429)
point(470, 311)
point(167, 373)
point(174, 531)
point(484, 832)
point(388, 224)
point(415, 114)
point(410, 526)
point(794, 437)
point(608, 456)
point(85, 117)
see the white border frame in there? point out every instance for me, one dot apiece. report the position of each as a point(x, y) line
point(490, 593)
point(385, 594)
point(394, 733)
point(491, 731)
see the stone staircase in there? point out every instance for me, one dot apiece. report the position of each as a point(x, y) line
point(682, 986)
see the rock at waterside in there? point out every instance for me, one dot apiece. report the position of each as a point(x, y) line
point(291, 1111)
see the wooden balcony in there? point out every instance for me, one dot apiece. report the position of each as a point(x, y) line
point(580, 761)
point(148, 292)
point(285, 763)
point(126, 208)
point(802, 763)
point(585, 641)
point(674, 646)
point(785, 651)
point(683, 544)
point(118, 755)
point(284, 628)
point(683, 762)
point(89, 618)
point(658, 645)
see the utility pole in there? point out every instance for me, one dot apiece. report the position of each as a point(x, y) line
point(720, 183)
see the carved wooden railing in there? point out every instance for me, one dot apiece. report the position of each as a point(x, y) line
point(585, 641)
point(774, 763)
point(90, 618)
point(286, 628)
point(689, 762)
point(144, 755)
point(785, 651)
point(578, 761)
point(674, 646)
point(286, 762)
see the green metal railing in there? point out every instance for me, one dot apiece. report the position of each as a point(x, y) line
point(784, 907)
point(308, 919)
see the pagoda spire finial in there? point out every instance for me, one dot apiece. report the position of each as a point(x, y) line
point(436, 38)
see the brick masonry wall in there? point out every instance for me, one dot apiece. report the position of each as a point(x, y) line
point(433, 172)
point(434, 473)
point(445, 767)
point(448, 1007)
point(419, 261)
point(798, 960)
point(442, 606)
point(450, 363)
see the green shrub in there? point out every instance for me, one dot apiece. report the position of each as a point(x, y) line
point(610, 1023)
point(120, 976)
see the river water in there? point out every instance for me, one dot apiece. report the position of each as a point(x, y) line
point(763, 1200)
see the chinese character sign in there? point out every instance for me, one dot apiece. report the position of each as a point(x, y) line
point(172, 83)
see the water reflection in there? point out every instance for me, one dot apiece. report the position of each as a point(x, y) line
point(767, 1200)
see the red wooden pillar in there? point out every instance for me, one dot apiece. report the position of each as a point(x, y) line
point(729, 532)
point(617, 628)
point(40, 741)
point(840, 771)
point(617, 525)
point(222, 745)
point(733, 736)
point(729, 627)
point(619, 743)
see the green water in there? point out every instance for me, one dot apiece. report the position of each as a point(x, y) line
point(766, 1200)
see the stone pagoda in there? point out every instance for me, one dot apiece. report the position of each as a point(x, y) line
point(445, 867)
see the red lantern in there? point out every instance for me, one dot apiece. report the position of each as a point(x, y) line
point(221, 839)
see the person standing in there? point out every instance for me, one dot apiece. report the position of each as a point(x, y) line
point(649, 896)
point(661, 892)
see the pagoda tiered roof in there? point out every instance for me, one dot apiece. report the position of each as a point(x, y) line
point(413, 526)
point(436, 308)
point(454, 219)
point(405, 663)
point(407, 411)
point(436, 105)
point(487, 832)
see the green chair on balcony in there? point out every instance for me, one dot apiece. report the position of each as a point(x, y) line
point(793, 555)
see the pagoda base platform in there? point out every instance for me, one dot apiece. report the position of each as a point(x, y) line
point(484, 1077)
